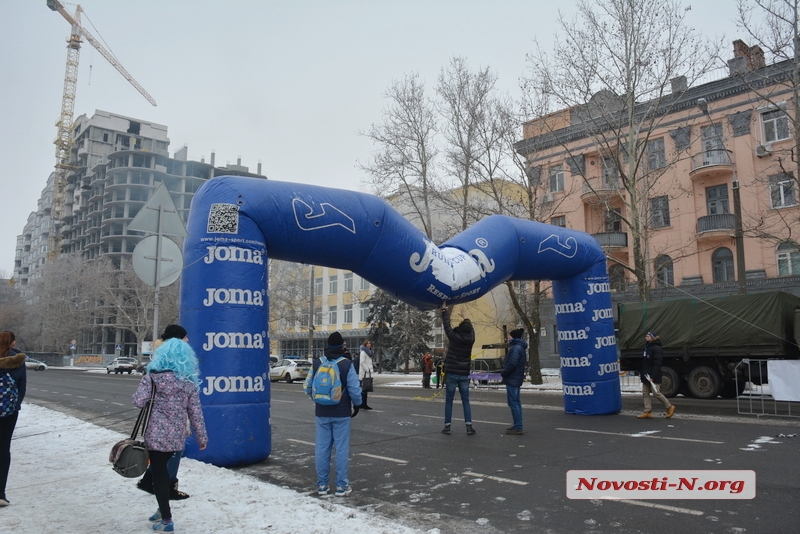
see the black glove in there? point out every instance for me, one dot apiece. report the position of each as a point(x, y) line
point(355, 411)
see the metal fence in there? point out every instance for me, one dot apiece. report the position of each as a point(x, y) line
point(753, 396)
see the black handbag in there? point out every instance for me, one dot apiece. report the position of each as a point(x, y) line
point(130, 456)
point(366, 384)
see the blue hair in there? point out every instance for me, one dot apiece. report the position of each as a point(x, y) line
point(177, 356)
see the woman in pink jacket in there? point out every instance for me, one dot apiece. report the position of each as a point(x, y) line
point(174, 373)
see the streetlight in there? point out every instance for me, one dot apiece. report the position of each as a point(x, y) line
point(738, 233)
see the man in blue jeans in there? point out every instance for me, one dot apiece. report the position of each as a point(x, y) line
point(457, 365)
point(333, 421)
point(513, 374)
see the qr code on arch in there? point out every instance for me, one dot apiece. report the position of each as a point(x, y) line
point(223, 219)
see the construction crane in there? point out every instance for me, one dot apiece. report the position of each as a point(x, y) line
point(63, 139)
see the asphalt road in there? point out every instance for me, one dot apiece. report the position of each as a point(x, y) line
point(403, 467)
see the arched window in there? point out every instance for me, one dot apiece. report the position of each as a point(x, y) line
point(722, 261)
point(665, 276)
point(788, 259)
point(616, 276)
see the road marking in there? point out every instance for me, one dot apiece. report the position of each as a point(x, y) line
point(660, 506)
point(640, 435)
point(279, 400)
point(118, 404)
point(82, 397)
point(498, 479)
point(395, 460)
point(474, 420)
point(67, 394)
point(301, 442)
point(99, 400)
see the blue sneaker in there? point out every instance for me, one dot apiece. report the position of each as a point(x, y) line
point(322, 490)
point(166, 526)
point(343, 491)
point(155, 517)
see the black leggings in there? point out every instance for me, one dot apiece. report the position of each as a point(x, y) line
point(7, 425)
point(158, 464)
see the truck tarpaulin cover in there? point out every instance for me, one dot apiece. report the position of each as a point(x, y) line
point(715, 322)
point(236, 223)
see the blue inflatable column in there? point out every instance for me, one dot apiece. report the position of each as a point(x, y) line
point(587, 344)
point(224, 308)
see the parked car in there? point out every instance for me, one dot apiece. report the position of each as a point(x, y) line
point(122, 365)
point(140, 367)
point(273, 360)
point(33, 363)
point(290, 370)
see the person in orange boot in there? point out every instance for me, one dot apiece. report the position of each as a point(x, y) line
point(651, 376)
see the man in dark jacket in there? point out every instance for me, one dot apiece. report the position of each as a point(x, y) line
point(513, 374)
point(651, 376)
point(457, 365)
point(333, 421)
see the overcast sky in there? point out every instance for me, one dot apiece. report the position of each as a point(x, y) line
point(289, 83)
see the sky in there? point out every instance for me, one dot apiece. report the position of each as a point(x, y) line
point(290, 84)
point(72, 488)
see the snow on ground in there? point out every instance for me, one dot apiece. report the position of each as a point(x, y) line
point(61, 482)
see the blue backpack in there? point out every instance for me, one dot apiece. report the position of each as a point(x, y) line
point(9, 395)
point(326, 386)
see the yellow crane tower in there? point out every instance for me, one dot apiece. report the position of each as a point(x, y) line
point(64, 124)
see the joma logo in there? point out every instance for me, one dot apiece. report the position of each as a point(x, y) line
point(234, 340)
point(579, 391)
point(605, 313)
point(604, 287)
point(572, 335)
point(233, 296)
point(575, 361)
point(233, 384)
point(231, 253)
point(605, 341)
point(606, 368)
point(571, 307)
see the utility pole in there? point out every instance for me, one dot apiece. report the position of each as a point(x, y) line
point(311, 316)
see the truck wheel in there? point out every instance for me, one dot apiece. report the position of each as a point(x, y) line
point(704, 382)
point(670, 382)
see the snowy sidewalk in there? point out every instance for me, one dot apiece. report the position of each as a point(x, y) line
point(61, 482)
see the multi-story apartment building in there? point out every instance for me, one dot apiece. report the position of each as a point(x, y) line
point(700, 146)
point(116, 164)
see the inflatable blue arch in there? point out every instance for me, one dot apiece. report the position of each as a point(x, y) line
point(236, 223)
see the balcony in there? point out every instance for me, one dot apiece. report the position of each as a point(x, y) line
point(710, 163)
point(714, 225)
point(602, 187)
point(612, 239)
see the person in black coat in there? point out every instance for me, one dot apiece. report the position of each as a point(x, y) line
point(457, 364)
point(651, 376)
point(12, 364)
point(513, 374)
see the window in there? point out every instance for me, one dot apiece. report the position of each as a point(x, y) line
point(363, 312)
point(665, 276)
point(616, 277)
point(348, 313)
point(613, 221)
point(332, 315)
point(348, 282)
point(717, 199)
point(333, 284)
point(659, 211)
point(781, 190)
point(556, 178)
point(656, 155)
point(776, 125)
point(788, 259)
point(610, 174)
point(559, 221)
point(722, 262)
point(318, 315)
point(364, 285)
point(318, 286)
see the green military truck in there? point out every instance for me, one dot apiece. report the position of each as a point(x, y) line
point(704, 340)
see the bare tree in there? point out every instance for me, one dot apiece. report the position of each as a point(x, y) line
point(406, 139)
point(773, 26)
point(611, 71)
